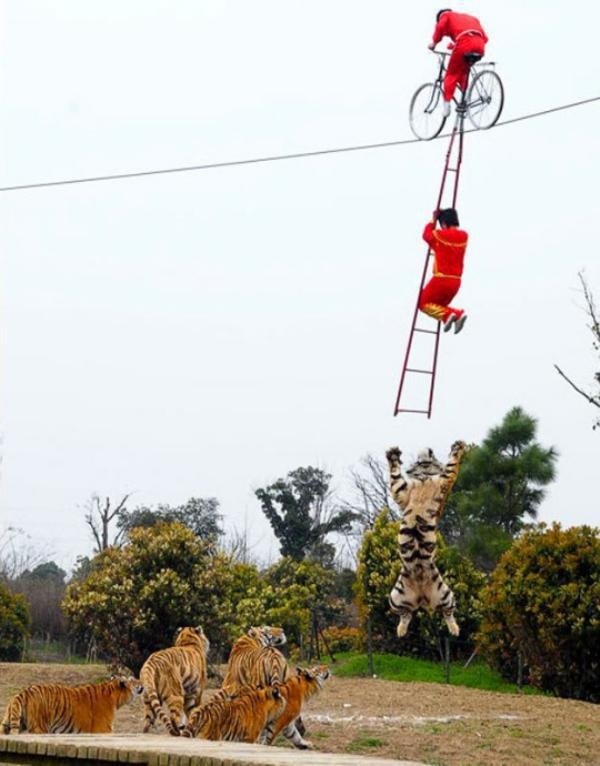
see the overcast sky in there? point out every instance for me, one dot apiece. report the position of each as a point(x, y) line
point(204, 333)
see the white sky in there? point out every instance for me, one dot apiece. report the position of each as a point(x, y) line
point(205, 333)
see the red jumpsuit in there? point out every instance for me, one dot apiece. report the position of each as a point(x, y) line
point(448, 247)
point(468, 36)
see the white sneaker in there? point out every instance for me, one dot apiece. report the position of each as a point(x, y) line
point(460, 323)
point(446, 108)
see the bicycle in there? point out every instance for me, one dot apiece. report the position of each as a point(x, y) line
point(482, 102)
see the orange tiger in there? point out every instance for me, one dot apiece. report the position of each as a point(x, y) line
point(176, 677)
point(255, 661)
point(55, 709)
point(295, 691)
point(241, 718)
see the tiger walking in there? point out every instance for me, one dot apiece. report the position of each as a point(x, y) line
point(175, 677)
point(57, 709)
point(421, 498)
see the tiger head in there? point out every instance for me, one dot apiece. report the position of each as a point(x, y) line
point(425, 466)
point(318, 674)
point(267, 635)
point(192, 637)
point(124, 688)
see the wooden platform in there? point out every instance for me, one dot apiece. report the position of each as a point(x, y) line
point(96, 750)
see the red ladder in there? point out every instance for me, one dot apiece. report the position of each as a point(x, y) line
point(457, 145)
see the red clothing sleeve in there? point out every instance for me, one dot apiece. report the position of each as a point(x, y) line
point(428, 232)
point(440, 30)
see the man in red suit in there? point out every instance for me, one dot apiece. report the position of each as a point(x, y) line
point(468, 40)
point(448, 245)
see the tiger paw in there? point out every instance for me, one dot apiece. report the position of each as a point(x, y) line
point(453, 628)
point(459, 446)
point(393, 454)
point(402, 629)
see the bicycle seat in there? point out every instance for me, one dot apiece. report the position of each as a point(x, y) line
point(472, 58)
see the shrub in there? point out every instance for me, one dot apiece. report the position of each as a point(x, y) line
point(135, 597)
point(343, 639)
point(14, 625)
point(543, 601)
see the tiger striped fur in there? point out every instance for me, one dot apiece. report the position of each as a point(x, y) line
point(175, 677)
point(421, 498)
point(295, 691)
point(254, 659)
point(240, 718)
point(56, 709)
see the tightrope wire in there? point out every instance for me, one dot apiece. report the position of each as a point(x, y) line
point(279, 157)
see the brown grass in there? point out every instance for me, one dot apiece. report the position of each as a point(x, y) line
point(433, 723)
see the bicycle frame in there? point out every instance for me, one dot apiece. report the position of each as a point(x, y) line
point(475, 68)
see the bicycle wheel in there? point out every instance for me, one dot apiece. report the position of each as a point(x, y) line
point(425, 114)
point(485, 99)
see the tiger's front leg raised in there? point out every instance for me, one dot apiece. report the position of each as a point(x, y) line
point(398, 484)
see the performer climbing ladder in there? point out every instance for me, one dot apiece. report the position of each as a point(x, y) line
point(453, 155)
point(482, 99)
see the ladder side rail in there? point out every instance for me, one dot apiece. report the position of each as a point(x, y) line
point(457, 131)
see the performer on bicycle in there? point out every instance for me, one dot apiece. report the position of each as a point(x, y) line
point(467, 37)
point(448, 244)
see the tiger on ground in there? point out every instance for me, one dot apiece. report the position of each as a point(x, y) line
point(175, 677)
point(239, 718)
point(295, 691)
point(421, 498)
point(57, 709)
point(254, 659)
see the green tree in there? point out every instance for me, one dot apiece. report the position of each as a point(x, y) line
point(378, 568)
point(500, 484)
point(14, 624)
point(200, 514)
point(136, 596)
point(543, 603)
point(300, 599)
point(298, 510)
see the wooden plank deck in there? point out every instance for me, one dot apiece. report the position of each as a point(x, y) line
point(150, 750)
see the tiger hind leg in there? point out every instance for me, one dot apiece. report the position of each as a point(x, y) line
point(402, 600)
point(453, 628)
point(150, 715)
point(177, 720)
point(405, 618)
point(442, 598)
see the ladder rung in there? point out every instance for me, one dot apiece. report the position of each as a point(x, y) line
point(402, 409)
point(414, 369)
point(421, 329)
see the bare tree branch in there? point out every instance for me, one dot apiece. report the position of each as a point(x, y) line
point(98, 519)
point(590, 309)
point(17, 555)
point(591, 399)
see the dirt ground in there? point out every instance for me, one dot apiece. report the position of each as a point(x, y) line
point(433, 723)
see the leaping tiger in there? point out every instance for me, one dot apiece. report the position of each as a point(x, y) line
point(422, 497)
